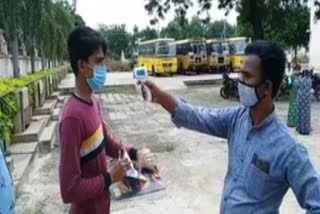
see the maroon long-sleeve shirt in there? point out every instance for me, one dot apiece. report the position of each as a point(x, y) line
point(85, 143)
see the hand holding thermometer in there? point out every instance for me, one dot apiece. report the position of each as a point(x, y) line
point(141, 74)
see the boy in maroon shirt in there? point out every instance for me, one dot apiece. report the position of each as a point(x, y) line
point(85, 138)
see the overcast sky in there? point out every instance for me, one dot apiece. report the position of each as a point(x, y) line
point(132, 12)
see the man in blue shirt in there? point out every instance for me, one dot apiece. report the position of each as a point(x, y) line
point(264, 160)
point(6, 187)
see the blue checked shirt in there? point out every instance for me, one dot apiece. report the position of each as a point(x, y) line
point(263, 162)
point(6, 187)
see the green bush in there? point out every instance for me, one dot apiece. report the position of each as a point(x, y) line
point(9, 84)
point(8, 101)
point(8, 111)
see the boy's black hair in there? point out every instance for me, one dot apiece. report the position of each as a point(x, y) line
point(82, 43)
point(273, 61)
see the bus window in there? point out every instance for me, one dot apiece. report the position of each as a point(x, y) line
point(214, 49)
point(226, 48)
point(219, 48)
point(239, 47)
point(165, 49)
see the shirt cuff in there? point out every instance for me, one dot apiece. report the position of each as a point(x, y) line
point(178, 113)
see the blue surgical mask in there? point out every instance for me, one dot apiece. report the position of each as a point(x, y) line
point(99, 77)
point(248, 94)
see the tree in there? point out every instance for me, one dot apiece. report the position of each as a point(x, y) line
point(196, 28)
point(10, 14)
point(181, 28)
point(31, 16)
point(78, 21)
point(220, 29)
point(148, 34)
point(295, 33)
point(117, 38)
point(176, 29)
point(55, 25)
point(253, 12)
point(41, 24)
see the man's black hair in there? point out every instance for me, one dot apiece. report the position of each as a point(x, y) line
point(272, 59)
point(82, 43)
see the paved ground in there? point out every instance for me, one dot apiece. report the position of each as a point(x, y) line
point(193, 165)
point(126, 79)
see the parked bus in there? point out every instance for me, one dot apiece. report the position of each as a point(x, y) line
point(218, 52)
point(192, 56)
point(237, 47)
point(158, 56)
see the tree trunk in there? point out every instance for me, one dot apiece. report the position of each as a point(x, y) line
point(15, 56)
point(43, 61)
point(32, 58)
point(256, 19)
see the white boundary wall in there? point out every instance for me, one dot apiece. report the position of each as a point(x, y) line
point(6, 68)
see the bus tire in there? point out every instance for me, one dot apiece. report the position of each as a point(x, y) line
point(181, 70)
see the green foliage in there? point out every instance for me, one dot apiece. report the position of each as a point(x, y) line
point(40, 24)
point(8, 101)
point(8, 111)
point(117, 38)
point(147, 34)
point(219, 29)
point(295, 33)
point(181, 28)
point(253, 13)
point(9, 84)
point(31, 94)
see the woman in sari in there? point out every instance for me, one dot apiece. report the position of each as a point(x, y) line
point(303, 124)
point(292, 113)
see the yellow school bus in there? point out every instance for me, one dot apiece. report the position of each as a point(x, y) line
point(158, 56)
point(237, 47)
point(218, 52)
point(192, 55)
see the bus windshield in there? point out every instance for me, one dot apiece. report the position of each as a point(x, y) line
point(219, 48)
point(198, 48)
point(239, 47)
point(165, 49)
point(214, 48)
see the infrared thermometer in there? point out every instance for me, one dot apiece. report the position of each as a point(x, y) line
point(141, 74)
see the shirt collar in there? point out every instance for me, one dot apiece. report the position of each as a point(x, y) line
point(264, 123)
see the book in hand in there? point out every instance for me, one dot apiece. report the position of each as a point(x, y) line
point(136, 185)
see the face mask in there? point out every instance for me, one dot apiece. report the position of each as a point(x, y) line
point(248, 94)
point(98, 79)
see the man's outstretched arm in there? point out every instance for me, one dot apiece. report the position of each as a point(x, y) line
point(214, 122)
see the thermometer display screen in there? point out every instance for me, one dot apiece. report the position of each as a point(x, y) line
point(141, 72)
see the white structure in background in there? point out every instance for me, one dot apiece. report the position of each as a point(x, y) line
point(314, 45)
point(123, 57)
point(6, 68)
